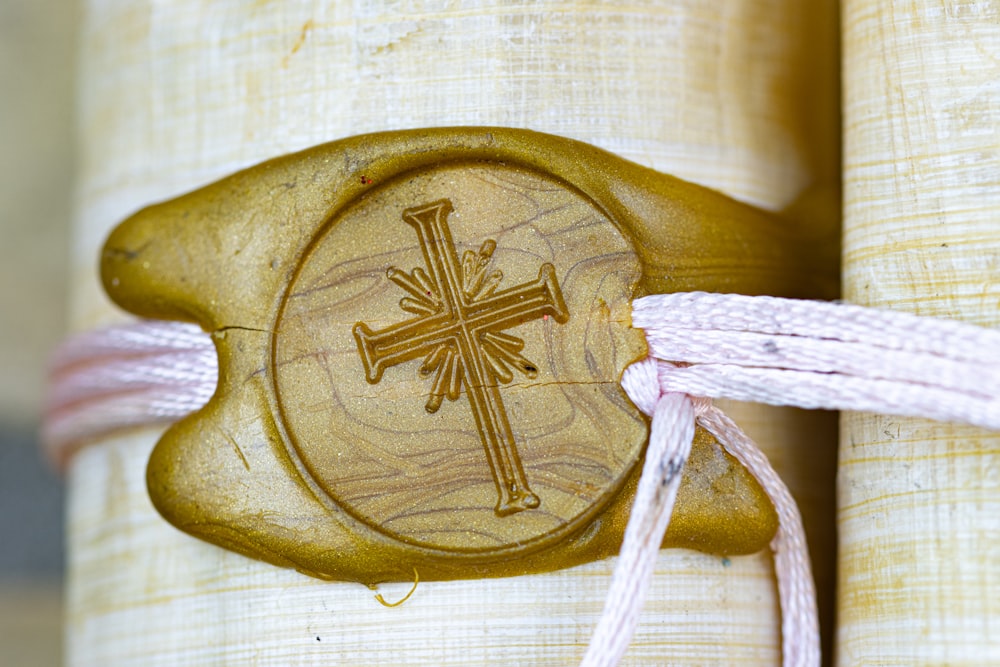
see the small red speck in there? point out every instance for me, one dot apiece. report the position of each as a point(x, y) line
point(365, 180)
point(545, 317)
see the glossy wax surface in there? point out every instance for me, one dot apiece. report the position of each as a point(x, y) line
point(421, 338)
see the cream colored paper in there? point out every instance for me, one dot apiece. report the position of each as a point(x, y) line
point(732, 94)
point(919, 502)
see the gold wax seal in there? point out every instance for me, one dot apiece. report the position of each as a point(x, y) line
point(421, 336)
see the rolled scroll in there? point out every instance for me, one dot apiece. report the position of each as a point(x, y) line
point(174, 95)
point(917, 502)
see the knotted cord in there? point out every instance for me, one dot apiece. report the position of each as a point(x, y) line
point(673, 417)
point(702, 346)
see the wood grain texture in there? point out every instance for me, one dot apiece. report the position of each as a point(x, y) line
point(919, 502)
point(176, 94)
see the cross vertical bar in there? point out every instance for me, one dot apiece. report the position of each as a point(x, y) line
point(495, 431)
point(458, 320)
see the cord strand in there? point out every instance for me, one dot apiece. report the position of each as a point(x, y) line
point(702, 346)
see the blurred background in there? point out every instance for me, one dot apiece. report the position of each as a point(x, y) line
point(37, 53)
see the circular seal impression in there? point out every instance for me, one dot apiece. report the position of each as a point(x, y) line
point(447, 359)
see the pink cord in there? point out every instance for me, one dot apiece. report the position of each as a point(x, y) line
point(673, 416)
point(144, 373)
point(811, 354)
point(778, 351)
point(671, 432)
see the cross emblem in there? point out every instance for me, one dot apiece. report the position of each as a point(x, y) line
point(459, 330)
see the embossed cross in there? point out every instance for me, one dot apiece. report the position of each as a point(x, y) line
point(460, 333)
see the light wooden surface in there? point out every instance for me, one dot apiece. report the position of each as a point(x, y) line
point(175, 94)
point(919, 502)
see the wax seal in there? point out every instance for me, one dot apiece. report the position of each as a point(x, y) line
point(421, 337)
